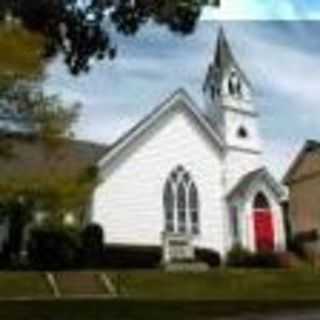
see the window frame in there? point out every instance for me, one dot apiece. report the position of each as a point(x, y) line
point(182, 212)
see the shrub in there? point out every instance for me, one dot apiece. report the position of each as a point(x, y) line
point(238, 257)
point(211, 257)
point(91, 239)
point(5, 259)
point(302, 243)
point(264, 260)
point(52, 249)
point(131, 257)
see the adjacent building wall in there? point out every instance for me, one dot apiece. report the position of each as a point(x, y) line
point(304, 204)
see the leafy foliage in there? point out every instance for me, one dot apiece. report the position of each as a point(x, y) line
point(82, 29)
point(92, 245)
point(211, 257)
point(20, 51)
point(304, 243)
point(51, 120)
point(240, 257)
point(43, 114)
point(54, 194)
point(53, 249)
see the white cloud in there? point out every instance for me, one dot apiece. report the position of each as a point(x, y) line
point(280, 60)
point(255, 10)
point(288, 70)
point(279, 154)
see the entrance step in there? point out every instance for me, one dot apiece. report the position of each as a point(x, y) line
point(76, 284)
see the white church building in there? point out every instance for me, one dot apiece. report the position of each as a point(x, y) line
point(184, 171)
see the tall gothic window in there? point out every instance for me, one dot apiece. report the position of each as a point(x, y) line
point(181, 203)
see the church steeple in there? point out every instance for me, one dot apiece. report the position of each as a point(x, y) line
point(223, 55)
point(225, 78)
point(230, 107)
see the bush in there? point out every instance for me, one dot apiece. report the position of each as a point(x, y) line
point(5, 259)
point(302, 243)
point(264, 260)
point(211, 257)
point(240, 257)
point(91, 239)
point(131, 257)
point(52, 249)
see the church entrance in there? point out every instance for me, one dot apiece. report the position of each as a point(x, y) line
point(263, 224)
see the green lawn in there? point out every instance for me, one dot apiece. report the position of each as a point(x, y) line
point(220, 284)
point(23, 284)
point(258, 285)
point(156, 295)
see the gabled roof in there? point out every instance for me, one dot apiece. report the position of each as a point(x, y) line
point(179, 99)
point(28, 156)
point(246, 181)
point(224, 57)
point(311, 146)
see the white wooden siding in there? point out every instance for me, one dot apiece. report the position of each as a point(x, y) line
point(239, 163)
point(128, 204)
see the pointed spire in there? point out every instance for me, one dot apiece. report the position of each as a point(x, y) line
point(223, 55)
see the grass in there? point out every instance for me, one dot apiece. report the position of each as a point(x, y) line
point(21, 284)
point(258, 285)
point(158, 295)
point(217, 285)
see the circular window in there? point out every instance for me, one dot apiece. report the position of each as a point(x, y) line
point(242, 133)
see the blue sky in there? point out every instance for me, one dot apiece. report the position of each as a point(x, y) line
point(280, 58)
point(265, 10)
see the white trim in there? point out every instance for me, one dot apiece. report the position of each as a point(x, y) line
point(268, 178)
point(253, 114)
point(236, 148)
point(150, 119)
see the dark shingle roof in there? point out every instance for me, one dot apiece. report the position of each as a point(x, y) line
point(29, 155)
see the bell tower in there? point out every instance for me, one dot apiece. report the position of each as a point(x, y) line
point(231, 111)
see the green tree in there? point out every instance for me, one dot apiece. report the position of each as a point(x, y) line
point(50, 122)
point(82, 30)
point(21, 52)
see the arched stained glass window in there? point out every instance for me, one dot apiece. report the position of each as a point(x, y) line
point(168, 200)
point(182, 208)
point(194, 208)
point(181, 203)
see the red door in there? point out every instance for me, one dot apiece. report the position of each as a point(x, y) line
point(264, 232)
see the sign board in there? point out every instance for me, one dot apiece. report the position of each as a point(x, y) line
point(177, 247)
